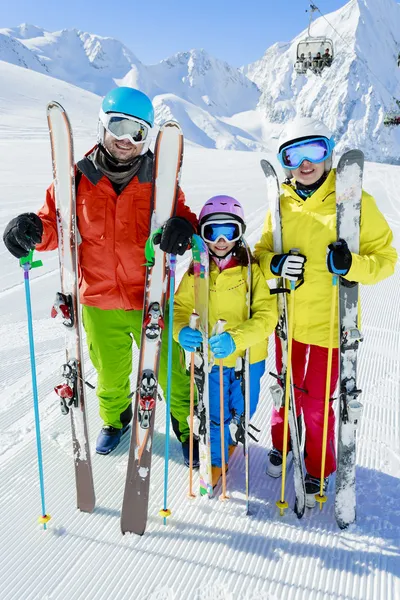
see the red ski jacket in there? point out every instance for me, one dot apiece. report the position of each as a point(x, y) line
point(113, 230)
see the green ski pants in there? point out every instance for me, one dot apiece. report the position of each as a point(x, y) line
point(109, 337)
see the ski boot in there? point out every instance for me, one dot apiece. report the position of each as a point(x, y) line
point(109, 438)
point(274, 466)
point(185, 452)
point(313, 488)
point(216, 474)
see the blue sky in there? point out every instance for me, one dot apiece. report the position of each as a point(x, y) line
point(237, 31)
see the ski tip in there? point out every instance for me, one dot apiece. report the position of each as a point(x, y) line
point(171, 125)
point(54, 105)
point(351, 157)
point(268, 169)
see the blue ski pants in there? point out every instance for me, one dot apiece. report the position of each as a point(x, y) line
point(233, 404)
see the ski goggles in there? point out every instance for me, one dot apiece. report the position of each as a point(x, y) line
point(315, 150)
point(230, 231)
point(123, 127)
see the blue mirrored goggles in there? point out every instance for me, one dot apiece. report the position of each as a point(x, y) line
point(230, 231)
point(315, 150)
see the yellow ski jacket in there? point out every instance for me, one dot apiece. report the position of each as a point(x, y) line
point(310, 226)
point(227, 300)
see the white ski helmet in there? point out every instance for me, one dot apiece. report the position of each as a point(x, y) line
point(305, 128)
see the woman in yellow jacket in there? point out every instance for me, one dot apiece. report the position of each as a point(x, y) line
point(222, 226)
point(308, 213)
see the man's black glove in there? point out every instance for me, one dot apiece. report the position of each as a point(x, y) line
point(22, 234)
point(176, 235)
point(338, 258)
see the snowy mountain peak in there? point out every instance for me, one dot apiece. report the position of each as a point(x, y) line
point(198, 77)
point(13, 51)
point(107, 53)
point(198, 63)
point(89, 61)
point(354, 94)
point(24, 31)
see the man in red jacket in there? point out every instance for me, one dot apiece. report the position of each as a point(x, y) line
point(113, 210)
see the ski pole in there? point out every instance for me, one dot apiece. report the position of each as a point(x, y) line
point(282, 503)
point(321, 497)
point(220, 329)
point(246, 386)
point(194, 317)
point(27, 264)
point(165, 512)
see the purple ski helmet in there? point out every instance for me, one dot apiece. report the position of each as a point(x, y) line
point(220, 208)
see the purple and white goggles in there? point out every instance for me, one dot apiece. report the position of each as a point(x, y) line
point(315, 150)
point(125, 127)
point(229, 230)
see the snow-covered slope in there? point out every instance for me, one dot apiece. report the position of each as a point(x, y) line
point(203, 128)
point(353, 95)
point(199, 126)
point(209, 550)
point(23, 113)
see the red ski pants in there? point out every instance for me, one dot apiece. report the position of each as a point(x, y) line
point(309, 364)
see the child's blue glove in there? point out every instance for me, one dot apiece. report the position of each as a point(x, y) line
point(190, 339)
point(222, 345)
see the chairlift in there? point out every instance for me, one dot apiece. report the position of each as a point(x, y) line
point(314, 52)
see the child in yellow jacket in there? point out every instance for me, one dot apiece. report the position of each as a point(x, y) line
point(308, 215)
point(222, 226)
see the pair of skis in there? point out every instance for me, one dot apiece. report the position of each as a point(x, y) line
point(349, 176)
point(167, 165)
point(202, 367)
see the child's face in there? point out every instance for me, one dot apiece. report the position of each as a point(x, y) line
point(221, 247)
point(308, 173)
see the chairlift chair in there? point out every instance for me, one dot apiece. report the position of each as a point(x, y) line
point(308, 49)
point(392, 117)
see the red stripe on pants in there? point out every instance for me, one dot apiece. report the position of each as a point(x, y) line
point(309, 364)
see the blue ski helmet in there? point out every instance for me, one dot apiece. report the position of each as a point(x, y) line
point(128, 101)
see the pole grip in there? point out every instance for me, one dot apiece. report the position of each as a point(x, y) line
point(194, 320)
point(219, 327)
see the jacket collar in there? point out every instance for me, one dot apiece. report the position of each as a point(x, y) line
point(319, 196)
point(88, 168)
